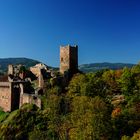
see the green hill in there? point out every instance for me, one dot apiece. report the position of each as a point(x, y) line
point(4, 62)
point(99, 66)
point(92, 67)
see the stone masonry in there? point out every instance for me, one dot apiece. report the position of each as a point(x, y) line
point(37, 71)
point(10, 95)
point(5, 96)
point(13, 93)
point(68, 59)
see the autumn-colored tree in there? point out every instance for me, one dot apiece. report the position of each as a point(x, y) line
point(111, 78)
point(87, 85)
point(90, 118)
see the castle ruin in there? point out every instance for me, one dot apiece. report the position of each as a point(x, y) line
point(16, 89)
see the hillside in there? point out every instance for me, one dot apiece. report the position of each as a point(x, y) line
point(4, 62)
point(99, 66)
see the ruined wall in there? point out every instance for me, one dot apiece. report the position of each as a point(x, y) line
point(10, 69)
point(5, 96)
point(10, 95)
point(27, 98)
point(37, 68)
point(14, 69)
point(68, 59)
point(35, 71)
point(40, 80)
point(38, 74)
point(15, 95)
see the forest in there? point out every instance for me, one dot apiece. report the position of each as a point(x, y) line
point(103, 105)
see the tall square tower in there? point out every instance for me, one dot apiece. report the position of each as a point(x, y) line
point(68, 59)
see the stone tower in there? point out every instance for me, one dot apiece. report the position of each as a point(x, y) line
point(68, 59)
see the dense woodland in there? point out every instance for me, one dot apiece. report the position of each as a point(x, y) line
point(104, 105)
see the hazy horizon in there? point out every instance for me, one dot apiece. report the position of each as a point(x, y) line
point(78, 64)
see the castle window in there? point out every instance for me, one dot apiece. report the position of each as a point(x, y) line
point(62, 59)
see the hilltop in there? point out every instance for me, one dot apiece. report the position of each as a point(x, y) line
point(92, 67)
point(4, 62)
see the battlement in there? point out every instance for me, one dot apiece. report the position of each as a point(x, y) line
point(69, 46)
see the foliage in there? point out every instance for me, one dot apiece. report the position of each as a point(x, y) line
point(3, 115)
point(127, 82)
point(136, 135)
point(90, 118)
point(22, 123)
point(87, 85)
point(95, 106)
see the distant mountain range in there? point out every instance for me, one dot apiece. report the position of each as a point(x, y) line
point(100, 66)
point(4, 62)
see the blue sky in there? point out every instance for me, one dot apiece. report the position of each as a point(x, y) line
point(105, 30)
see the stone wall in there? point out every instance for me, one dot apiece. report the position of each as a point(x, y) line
point(37, 68)
point(12, 93)
point(12, 96)
point(14, 69)
point(31, 99)
point(5, 96)
point(35, 71)
point(10, 69)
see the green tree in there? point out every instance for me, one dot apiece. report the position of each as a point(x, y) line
point(125, 138)
point(111, 77)
point(77, 84)
point(136, 135)
point(87, 85)
point(90, 118)
point(127, 82)
point(136, 75)
point(26, 122)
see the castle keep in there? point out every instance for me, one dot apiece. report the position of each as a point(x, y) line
point(68, 59)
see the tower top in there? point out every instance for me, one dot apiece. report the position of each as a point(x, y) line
point(75, 46)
